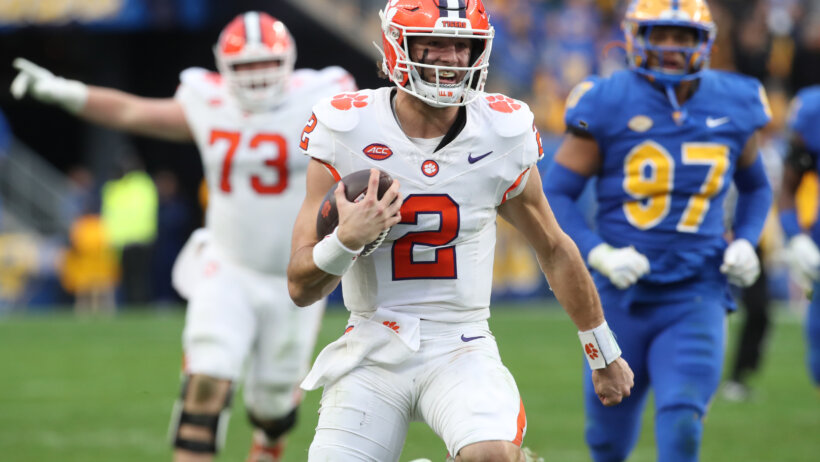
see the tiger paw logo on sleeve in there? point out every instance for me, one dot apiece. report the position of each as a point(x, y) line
point(503, 103)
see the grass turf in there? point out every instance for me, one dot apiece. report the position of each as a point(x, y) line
point(101, 390)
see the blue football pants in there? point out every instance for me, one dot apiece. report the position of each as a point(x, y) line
point(676, 349)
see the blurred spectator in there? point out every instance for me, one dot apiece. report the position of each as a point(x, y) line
point(5, 144)
point(83, 197)
point(18, 262)
point(172, 232)
point(129, 213)
point(514, 48)
point(89, 268)
point(5, 135)
point(806, 63)
point(571, 45)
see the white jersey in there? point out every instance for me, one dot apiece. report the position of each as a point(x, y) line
point(437, 263)
point(254, 172)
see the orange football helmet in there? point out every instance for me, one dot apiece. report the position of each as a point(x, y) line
point(643, 15)
point(256, 38)
point(404, 19)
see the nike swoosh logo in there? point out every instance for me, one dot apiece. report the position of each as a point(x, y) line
point(712, 123)
point(470, 339)
point(475, 159)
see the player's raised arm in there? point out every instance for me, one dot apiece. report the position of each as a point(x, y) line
point(317, 265)
point(568, 277)
point(154, 117)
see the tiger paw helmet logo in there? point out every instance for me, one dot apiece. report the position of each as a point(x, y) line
point(347, 101)
point(503, 103)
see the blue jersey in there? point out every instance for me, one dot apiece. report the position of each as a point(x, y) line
point(662, 181)
point(804, 121)
point(805, 118)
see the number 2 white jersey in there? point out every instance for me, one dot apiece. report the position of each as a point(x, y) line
point(437, 263)
point(253, 168)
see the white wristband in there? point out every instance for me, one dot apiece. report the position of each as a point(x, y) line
point(600, 347)
point(333, 257)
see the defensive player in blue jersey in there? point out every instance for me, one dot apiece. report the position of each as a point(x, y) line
point(664, 138)
point(805, 257)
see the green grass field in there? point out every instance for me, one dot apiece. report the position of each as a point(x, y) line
point(101, 390)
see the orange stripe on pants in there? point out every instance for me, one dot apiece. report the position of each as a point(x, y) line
point(522, 425)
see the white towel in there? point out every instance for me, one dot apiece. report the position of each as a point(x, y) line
point(384, 338)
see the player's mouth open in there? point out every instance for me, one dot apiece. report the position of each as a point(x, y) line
point(447, 77)
point(672, 65)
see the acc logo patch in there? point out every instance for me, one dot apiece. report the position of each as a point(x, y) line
point(640, 123)
point(377, 151)
point(429, 168)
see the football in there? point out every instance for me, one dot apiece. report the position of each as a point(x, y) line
point(355, 188)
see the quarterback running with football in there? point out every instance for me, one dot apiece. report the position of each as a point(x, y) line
point(417, 345)
point(246, 121)
point(665, 139)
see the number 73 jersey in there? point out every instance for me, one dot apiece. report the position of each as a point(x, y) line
point(437, 262)
point(662, 181)
point(252, 164)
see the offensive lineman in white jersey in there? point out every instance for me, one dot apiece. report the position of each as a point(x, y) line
point(246, 122)
point(418, 346)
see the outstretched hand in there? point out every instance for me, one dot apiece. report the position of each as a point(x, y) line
point(39, 83)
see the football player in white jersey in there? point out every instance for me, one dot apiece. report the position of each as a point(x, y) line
point(418, 346)
point(246, 121)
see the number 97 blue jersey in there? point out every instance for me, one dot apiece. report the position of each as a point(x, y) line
point(664, 176)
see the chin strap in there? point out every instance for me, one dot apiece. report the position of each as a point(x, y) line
point(680, 114)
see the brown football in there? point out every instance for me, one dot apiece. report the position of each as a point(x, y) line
point(355, 188)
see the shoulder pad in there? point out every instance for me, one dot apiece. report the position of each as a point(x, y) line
point(806, 102)
point(744, 87)
point(580, 90)
point(327, 81)
point(509, 117)
point(339, 78)
point(751, 95)
point(342, 112)
point(202, 81)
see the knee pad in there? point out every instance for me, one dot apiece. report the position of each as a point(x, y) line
point(215, 423)
point(274, 428)
point(678, 431)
